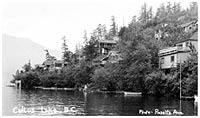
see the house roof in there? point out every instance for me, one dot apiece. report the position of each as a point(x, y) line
point(39, 65)
point(100, 58)
point(48, 62)
point(194, 37)
point(108, 41)
point(114, 52)
point(189, 23)
point(58, 61)
point(174, 52)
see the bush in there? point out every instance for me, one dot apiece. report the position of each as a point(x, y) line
point(28, 79)
point(160, 84)
point(100, 79)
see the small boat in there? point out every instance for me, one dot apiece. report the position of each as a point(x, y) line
point(132, 93)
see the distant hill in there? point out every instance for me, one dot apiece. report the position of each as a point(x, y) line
point(17, 51)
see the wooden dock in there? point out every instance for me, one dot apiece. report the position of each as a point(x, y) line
point(132, 93)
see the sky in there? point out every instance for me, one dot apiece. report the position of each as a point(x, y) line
point(47, 21)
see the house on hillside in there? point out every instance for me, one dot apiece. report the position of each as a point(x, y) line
point(107, 45)
point(54, 64)
point(113, 56)
point(170, 57)
point(100, 60)
point(51, 63)
point(107, 52)
point(190, 26)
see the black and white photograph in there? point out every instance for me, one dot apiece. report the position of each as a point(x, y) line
point(99, 58)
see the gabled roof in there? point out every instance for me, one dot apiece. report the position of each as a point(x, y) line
point(100, 58)
point(189, 23)
point(108, 41)
point(39, 65)
point(58, 61)
point(48, 62)
point(194, 37)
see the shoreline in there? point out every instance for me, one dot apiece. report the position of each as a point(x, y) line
point(73, 89)
point(105, 92)
point(54, 88)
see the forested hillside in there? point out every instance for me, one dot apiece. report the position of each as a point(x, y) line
point(139, 70)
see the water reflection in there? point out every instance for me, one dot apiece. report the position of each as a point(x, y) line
point(90, 103)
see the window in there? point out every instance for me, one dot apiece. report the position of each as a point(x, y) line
point(180, 46)
point(187, 44)
point(162, 60)
point(58, 65)
point(172, 58)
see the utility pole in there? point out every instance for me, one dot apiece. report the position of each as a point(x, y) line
point(180, 85)
point(180, 78)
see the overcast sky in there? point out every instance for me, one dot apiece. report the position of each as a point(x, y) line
point(47, 21)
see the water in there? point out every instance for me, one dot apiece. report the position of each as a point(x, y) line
point(78, 103)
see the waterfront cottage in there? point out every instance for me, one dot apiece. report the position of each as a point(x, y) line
point(170, 57)
point(54, 64)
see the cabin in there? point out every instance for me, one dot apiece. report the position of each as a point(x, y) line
point(113, 56)
point(170, 57)
point(106, 45)
point(107, 52)
point(54, 64)
point(100, 60)
point(190, 26)
point(39, 66)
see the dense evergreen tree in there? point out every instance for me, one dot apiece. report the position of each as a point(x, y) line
point(146, 14)
point(114, 28)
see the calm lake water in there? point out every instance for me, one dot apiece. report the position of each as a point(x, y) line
point(44, 102)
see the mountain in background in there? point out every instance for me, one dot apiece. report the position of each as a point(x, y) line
point(18, 51)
